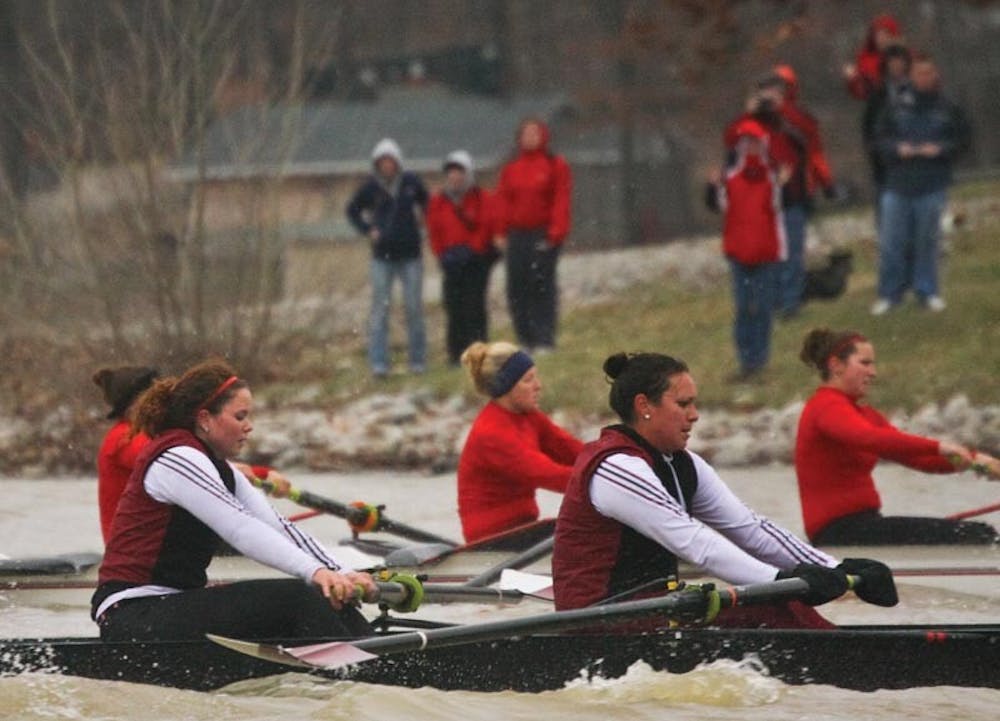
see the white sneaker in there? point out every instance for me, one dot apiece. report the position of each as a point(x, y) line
point(881, 307)
point(936, 303)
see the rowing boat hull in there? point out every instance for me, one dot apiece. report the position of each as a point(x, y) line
point(860, 658)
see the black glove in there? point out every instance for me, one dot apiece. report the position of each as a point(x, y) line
point(876, 585)
point(825, 584)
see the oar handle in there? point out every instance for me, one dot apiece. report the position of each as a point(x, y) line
point(359, 516)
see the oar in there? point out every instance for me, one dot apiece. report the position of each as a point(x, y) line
point(687, 603)
point(516, 563)
point(404, 593)
point(971, 513)
point(360, 516)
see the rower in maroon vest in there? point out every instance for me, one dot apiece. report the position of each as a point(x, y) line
point(183, 497)
point(638, 501)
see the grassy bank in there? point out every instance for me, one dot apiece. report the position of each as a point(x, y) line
point(922, 356)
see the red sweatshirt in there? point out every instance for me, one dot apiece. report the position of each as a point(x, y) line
point(115, 461)
point(470, 223)
point(507, 456)
point(838, 444)
point(534, 191)
point(868, 64)
point(753, 232)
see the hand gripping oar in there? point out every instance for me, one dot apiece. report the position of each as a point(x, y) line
point(689, 603)
point(360, 516)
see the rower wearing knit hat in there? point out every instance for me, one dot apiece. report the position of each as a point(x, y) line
point(120, 447)
point(513, 448)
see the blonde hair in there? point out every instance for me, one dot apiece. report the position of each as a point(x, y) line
point(482, 361)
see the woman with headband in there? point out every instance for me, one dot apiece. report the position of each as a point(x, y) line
point(513, 448)
point(840, 440)
point(183, 496)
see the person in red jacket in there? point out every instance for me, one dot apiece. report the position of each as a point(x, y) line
point(840, 440)
point(864, 76)
point(534, 210)
point(753, 240)
point(116, 457)
point(121, 445)
point(460, 224)
point(512, 449)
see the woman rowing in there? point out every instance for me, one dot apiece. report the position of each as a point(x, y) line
point(840, 440)
point(182, 497)
point(121, 445)
point(513, 448)
point(638, 502)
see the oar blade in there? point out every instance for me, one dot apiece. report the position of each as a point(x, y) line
point(267, 652)
point(531, 584)
point(334, 654)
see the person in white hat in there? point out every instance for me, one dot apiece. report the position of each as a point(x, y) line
point(461, 223)
point(387, 210)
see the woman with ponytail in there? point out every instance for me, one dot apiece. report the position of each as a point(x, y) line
point(839, 441)
point(513, 448)
point(184, 497)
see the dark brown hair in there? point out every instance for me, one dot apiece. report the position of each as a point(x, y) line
point(633, 373)
point(174, 402)
point(822, 344)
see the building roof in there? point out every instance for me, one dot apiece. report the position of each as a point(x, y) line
point(333, 138)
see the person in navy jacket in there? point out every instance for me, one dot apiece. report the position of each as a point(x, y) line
point(387, 209)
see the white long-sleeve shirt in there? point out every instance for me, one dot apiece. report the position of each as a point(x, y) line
point(719, 534)
point(184, 476)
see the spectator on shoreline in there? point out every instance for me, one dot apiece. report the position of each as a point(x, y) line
point(895, 88)
point(460, 224)
point(864, 76)
point(753, 240)
point(818, 176)
point(534, 193)
point(919, 138)
point(513, 448)
point(387, 210)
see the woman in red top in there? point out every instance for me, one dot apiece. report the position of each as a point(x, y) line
point(839, 442)
point(512, 449)
point(533, 196)
point(460, 224)
point(121, 445)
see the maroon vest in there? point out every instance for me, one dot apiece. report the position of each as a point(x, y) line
point(155, 543)
point(596, 557)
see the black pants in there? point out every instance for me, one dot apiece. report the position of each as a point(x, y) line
point(871, 528)
point(463, 289)
point(532, 295)
point(269, 608)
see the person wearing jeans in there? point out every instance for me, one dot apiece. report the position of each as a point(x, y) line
point(410, 272)
point(748, 194)
point(918, 136)
point(908, 245)
point(387, 209)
